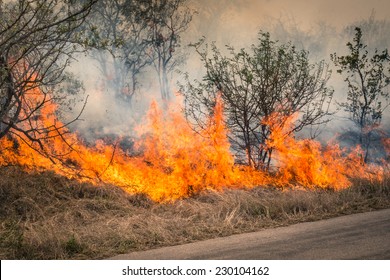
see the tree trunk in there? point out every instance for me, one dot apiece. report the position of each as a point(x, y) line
point(165, 89)
point(7, 93)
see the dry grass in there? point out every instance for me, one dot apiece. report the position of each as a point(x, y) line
point(44, 216)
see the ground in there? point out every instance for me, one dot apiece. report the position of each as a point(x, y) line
point(46, 216)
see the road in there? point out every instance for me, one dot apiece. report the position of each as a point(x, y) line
point(358, 236)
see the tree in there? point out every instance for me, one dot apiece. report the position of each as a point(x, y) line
point(271, 79)
point(137, 34)
point(167, 20)
point(368, 80)
point(37, 41)
point(376, 32)
point(118, 38)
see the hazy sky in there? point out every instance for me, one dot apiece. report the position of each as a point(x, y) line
point(337, 12)
point(241, 19)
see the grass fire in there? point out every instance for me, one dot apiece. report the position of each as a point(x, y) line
point(98, 156)
point(171, 161)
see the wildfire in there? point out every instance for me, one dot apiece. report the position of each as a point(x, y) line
point(173, 161)
point(305, 162)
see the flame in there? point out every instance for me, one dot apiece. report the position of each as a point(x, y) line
point(172, 161)
point(175, 160)
point(307, 163)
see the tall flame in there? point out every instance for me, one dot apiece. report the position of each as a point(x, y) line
point(172, 160)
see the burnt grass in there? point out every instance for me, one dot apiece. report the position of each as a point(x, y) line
point(46, 216)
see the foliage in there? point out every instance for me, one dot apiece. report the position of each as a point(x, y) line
point(254, 84)
point(368, 80)
point(376, 31)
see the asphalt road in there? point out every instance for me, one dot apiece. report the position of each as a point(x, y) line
point(358, 236)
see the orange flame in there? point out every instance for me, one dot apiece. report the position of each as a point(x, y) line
point(307, 163)
point(176, 161)
point(173, 161)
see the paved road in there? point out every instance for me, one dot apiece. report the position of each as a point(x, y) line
point(358, 236)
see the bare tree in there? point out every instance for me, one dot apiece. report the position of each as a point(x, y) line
point(167, 20)
point(137, 34)
point(37, 41)
point(254, 85)
point(368, 80)
point(118, 37)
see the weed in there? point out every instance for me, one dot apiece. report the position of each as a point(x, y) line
point(72, 246)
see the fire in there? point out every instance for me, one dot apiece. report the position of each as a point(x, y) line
point(307, 163)
point(187, 158)
point(172, 161)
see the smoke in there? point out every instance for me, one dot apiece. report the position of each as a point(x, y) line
point(107, 112)
point(321, 27)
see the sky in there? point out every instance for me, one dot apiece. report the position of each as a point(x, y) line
point(337, 12)
point(240, 20)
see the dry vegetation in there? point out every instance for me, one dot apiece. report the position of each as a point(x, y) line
point(45, 216)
